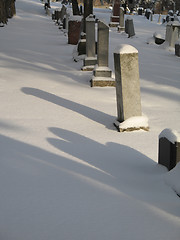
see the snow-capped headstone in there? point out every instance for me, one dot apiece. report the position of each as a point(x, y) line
point(128, 87)
point(90, 59)
point(102, 74)
point(169, 148)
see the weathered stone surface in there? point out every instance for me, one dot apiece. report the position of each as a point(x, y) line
point(127, 82)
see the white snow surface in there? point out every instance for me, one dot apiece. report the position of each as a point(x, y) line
point(66, 172)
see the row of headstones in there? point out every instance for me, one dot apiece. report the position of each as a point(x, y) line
point(122, 24)
point(172, 36)
point(128, 83)
point(127, 87)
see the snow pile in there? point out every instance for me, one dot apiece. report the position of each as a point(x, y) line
point(172, 178)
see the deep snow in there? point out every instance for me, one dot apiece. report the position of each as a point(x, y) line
point(66, 173)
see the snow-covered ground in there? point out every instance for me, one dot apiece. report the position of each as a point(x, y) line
point(65, 172)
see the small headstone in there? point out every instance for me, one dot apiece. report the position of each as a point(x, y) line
point(129, 27)
point(159, 19)
point(169, 148)
point(177, 48)
point(74, 29)
point(140, 11)
point(147, 13)
point(114, 20)
point(127, 84)
point(62, 13)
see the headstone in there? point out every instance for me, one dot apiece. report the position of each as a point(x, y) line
point(172, 33)
point(176, 18)
point(159, 19)
point(175, 33)
point(121, 27)
point(57, 13)
point(67, 20)
point(102, 74)
point(129, 27)
point(151, 18)
point(147, 13)
point(177, 48)
point(127, 83)
point(74, 29)
point(114, 20)
point(90, 59)
point(140, 11)
point(168, 31)
point(63, 12)
point(169, 148)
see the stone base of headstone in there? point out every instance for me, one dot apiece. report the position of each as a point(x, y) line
point(89, 63)
point(114, 18)
point(102, 77)
point(102, 82)
point(102, 72)
point(113, 24)
point(74, 29)
point(177, 49)
point(132, 124)
point(169, 149)
point(120, 29)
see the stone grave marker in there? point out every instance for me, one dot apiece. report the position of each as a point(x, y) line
point(169, 148)
point(121, 27)
point(102, 75)
point(74, 29)
point(114, 20)
point(128, 87)
point(177, 48)
point(129, 27)
point(90, 59)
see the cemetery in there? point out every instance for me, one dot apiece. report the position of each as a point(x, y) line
point(90, 130)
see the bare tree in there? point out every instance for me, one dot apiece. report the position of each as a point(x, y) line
point(75, 7)
point(7, 10)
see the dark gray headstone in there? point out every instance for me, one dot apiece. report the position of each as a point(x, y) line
point(177, 49)
point(129, 27)
point(169, 149)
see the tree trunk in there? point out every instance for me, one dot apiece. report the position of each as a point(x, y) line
point(3, 17)
point(75, 7)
